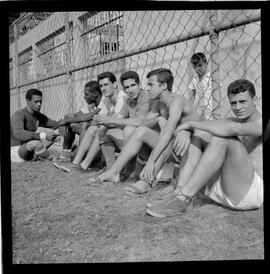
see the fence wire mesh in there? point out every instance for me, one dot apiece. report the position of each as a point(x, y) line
point(60, 52)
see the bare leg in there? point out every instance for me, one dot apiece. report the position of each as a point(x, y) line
point(119, 138)
point(140, 136)
point(190, 160)
point(229, 157)
point(83, 128)
point(108, 151)
point(91, 153)
point(85, 144)
point(94, 148)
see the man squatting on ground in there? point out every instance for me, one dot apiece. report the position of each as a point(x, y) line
point(79, 122)
point(170, 105)
point(225, 156)
point(122, 125)
point(29, 142)
point(112, 102)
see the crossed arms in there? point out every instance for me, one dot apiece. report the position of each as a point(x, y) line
point(225, 127)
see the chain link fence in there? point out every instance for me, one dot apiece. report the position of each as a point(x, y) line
point(62, 51)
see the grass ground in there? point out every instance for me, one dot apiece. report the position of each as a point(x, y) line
point(58, 218)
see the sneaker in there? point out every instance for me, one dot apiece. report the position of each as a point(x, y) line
point(169, 208)
point(169, 193)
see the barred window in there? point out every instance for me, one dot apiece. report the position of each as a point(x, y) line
point(53, 51)
point(103, 33)
point(25, 64)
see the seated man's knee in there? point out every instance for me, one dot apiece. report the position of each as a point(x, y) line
point(201, 138)
point(139, 132)
point(219, 142)
point(114, 133)
point(91, 130)
point(84, 126)
point(34, 145)
point(75, 127)
point(128, 131)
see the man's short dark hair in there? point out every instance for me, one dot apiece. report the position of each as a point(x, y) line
point(108, 75)
point(163, 76)
point(197, 57)
point(130, 75)
point(93, 87)
point(241, 85)
point(33, 91)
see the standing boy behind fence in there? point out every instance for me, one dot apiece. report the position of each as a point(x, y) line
point(200, 87)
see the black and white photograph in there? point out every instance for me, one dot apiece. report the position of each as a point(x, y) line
point(136, 134)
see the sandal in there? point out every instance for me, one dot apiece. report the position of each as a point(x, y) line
point(140, 187)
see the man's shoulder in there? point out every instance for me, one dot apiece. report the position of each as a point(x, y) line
point(177, 99)
point(19, 113)
point(143, 97)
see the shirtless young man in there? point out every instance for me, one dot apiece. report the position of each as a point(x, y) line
point(175, 108)
point(225, 156)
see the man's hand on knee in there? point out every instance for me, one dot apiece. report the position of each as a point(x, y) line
point(182, 142)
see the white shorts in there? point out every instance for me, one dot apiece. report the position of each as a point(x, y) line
point(252, 200)
point(14, 155)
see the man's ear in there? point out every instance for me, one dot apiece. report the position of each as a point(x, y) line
point(255, 99)
point(115, 84)
point(164, 86)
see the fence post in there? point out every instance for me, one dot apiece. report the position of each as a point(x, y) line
point(16, 66)
point(68, 63)
point(214, 57)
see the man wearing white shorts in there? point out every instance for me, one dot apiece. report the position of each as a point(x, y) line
point(225, 156)
point(28, 140)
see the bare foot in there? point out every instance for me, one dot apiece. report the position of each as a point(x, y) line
point(109, 177)
point(84, 166)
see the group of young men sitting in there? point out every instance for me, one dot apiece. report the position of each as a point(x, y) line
point(136, 132)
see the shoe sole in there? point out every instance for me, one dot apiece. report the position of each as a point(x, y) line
point(160, 215)
point(154, 214)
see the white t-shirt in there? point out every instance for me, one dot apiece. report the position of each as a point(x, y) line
point(203, 102)
point(106, 105)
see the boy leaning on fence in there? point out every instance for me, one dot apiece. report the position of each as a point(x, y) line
point(31, 131)
point(200, 87)
point(112, 100)
point(168, 110)
point(225, 157)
